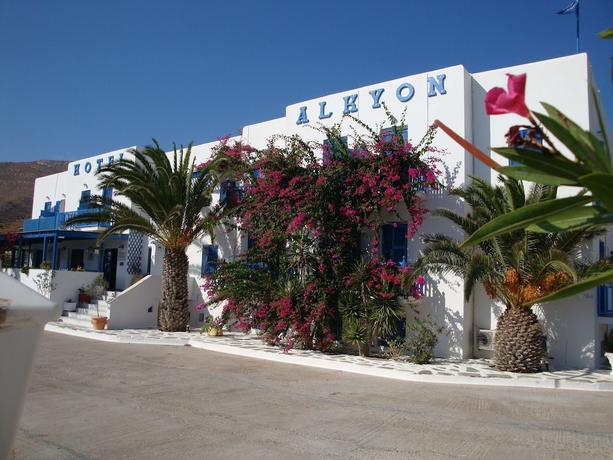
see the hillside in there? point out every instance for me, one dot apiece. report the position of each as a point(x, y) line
point(17, 189)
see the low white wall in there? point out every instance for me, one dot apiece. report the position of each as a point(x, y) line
point(67, 283)
point(137, 306)
point(570, 326)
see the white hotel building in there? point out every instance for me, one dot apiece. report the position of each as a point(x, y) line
point(574, 326)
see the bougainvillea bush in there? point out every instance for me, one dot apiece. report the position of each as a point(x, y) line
point(308, 210)
point(369, 302)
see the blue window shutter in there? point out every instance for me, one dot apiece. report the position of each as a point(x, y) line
point(332, 143)
point(251, 241)
point(210, 257)
point(394, 242)
point(386, 134)
point(225, 187)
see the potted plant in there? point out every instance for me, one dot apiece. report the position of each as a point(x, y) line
point(607, 345)
point(45, 281)
point(69, 305)
point(84, 296)
point(214, 327)
point(97, 290)
point(99, 322)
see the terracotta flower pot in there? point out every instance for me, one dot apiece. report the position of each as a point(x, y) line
point(99, 322)
point(84, 298)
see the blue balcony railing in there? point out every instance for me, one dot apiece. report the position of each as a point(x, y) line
point(56, 222)
point(604, 299)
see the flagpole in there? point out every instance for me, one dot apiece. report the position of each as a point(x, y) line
point(573, 8)
point(577, 15)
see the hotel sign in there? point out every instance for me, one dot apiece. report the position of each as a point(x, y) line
point(87, 166)
point(404, 93)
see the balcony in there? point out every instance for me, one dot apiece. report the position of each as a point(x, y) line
point(50, 220)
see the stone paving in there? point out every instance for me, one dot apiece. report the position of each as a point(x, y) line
point(467, 372)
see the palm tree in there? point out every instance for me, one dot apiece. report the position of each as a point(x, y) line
point(514, 268)
point(369, 304)
point(301, 258)
point(167, 202)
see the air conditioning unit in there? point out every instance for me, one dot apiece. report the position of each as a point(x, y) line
point(484, 339)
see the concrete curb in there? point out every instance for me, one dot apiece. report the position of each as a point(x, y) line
point(471, 373)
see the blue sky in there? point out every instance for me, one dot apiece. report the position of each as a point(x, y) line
point(83, 77)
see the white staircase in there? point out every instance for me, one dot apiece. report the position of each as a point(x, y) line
point(85, 311)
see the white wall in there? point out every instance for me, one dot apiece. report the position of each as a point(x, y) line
point(67, 283)
point(130, 309)
point(571, 327)
point(49, 188)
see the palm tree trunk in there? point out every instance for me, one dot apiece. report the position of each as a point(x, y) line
point(518, 344)
point(174, 311)
point(366, 344)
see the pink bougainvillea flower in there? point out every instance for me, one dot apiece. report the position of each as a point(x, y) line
point(498, 101)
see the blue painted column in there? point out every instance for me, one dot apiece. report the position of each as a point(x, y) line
point(54, 253)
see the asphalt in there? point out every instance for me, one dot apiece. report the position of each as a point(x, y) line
point(464, 372)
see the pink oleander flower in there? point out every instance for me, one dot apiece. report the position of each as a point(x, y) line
point(498, 101)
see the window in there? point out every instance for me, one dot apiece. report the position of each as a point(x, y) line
point(523, 134)
point(251, 241)
point(330, 148)
point(394, 242)
point(387, 133)
point(230, 193)
point(210, 258)
point(47, 211)
point(85, 197)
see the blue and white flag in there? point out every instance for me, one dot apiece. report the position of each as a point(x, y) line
point(570, 8)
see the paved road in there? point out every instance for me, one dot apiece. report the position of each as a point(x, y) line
point(97, 400)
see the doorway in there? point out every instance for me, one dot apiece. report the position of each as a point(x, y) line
point(109, 267)
point(76, 259)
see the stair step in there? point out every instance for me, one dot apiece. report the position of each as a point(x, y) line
point(77, 321)
point(88, 312)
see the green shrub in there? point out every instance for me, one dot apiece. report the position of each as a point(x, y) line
point(395, 349)
point(421, 338)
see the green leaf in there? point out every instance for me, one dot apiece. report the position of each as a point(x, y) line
point(583, 144)
point(601, 185)
point(574, 219)
point(559, 167)
point(601, 124)
point(577, 288)
point(530, 174)
point(607, 33)
point(524, 217)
